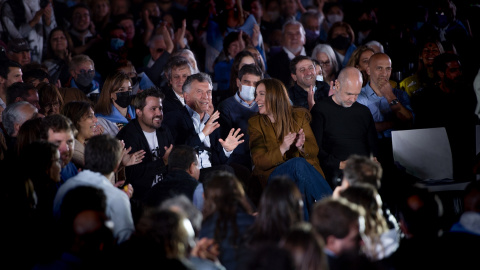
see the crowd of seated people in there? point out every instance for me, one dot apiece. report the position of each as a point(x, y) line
point(199, 134)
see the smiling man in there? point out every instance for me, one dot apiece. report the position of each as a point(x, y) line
point(306, 90)
point(193, 125)
point(147, 133)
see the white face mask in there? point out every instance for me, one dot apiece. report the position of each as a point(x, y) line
point(247, 93)
point(320, 78)
point(333, 18)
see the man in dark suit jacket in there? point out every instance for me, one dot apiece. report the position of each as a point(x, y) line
point(293, 39)
point(177, 70)
point(147, 132)
point(193, 125)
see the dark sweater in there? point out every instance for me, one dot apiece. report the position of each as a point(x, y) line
point(340, 132)
point(299, 96)
point(176, 182)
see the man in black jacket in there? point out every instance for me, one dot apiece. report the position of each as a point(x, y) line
point(146, 132)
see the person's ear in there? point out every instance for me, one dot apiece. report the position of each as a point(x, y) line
point(191, 168)
point(294, 77)
point(238, 84)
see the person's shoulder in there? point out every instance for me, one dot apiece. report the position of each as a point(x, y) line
point(255, 119)
point(227, 103)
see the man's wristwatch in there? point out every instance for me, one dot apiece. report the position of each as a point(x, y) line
point(394, 102)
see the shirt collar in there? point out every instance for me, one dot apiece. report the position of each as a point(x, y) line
point(291, 55)
point(242, 102)
point(195, 115)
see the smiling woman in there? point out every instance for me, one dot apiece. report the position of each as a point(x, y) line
point(282, 142)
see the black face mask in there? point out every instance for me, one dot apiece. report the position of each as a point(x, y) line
point(340, 43)
point(123, 99)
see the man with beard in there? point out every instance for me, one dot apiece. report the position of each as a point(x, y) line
point(293, 39)
point(389, 106)
point(306, 90)
point(450, 103)
point(146, 132)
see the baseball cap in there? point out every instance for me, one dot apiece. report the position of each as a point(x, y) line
point(18, 45)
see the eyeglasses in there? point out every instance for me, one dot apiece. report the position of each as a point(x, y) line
point(89, 72)
point(52, 105)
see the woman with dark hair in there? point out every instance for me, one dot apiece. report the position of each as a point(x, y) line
point(50, 99)
point(280, 208)
point(59, 48)
point(83, 118)
point(227, 214)
point(28, 133)
point(113, 108)
point(359, 60)
point(242, 58)
point(282, 142)
point(342, 39)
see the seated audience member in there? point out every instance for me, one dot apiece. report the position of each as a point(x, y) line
point(82, 74)
point(35, 73)
point(103, 155)
point(280, 209)
point(390, 107)
point(342, 126)
point(464, 233)
point(205, 253)
point(306, 90)
point(181, 178)
point(58, 129)
point(342, 39)
point(306, 247)
point(140, 81)
point(420, 214)
point(227, 214)
point(86, 124)
point(326, 57)
point(236, 110)
point(293, 40)
point(28, 133)
point(136, 49)
point(50, 99)
point(18, 50)
point(339, 223)
point(59, 53)
point(359, 60)
point(114, 106)
point(187, 53)
point(21, 91)
point(196, 125)
point(282, 142)
point(176, 71)
point(10, 72)
point(162, 237)
point(146, 132)
point(161, 48)
point(379, 241)
point(12, 119)
point(242, 58)
point(82, 30)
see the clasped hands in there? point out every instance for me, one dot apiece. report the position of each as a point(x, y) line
point(234, 136)
point(291, 138)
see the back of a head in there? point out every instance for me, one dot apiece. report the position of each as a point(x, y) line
point(13, 114)
point(270, 257)
point(28, 132)
point(362, 169)
point(334, 217)
point(280, 207)
point(38, 156)
point(184, 205)
point(102, 154)
point(181, 157)
point(5, 66)
point(420, 212)
point(18, 90)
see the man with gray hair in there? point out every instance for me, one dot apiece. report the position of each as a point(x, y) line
point(13, 118)
point(293, 41)
point(176, 71)
point(193, 125)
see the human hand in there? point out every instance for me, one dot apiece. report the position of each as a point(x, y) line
point(310, 97)
point(211, 125)
point(206, 248)
point(168, 150)
point(180, 34)
point(148, 23)
point(256, 35)
point(232, 140)
point(211, 108)
point(132, 159)
point(300, 140)
point(287, 142)
point(98, 129)
point(128, 189)
point(241, 42)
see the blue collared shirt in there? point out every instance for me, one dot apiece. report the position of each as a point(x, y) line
point(379, 106)
point(242, 102)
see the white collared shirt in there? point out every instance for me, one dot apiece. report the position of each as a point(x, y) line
point(291, 55)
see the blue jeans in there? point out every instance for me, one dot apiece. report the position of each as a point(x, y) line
point(310, 182)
